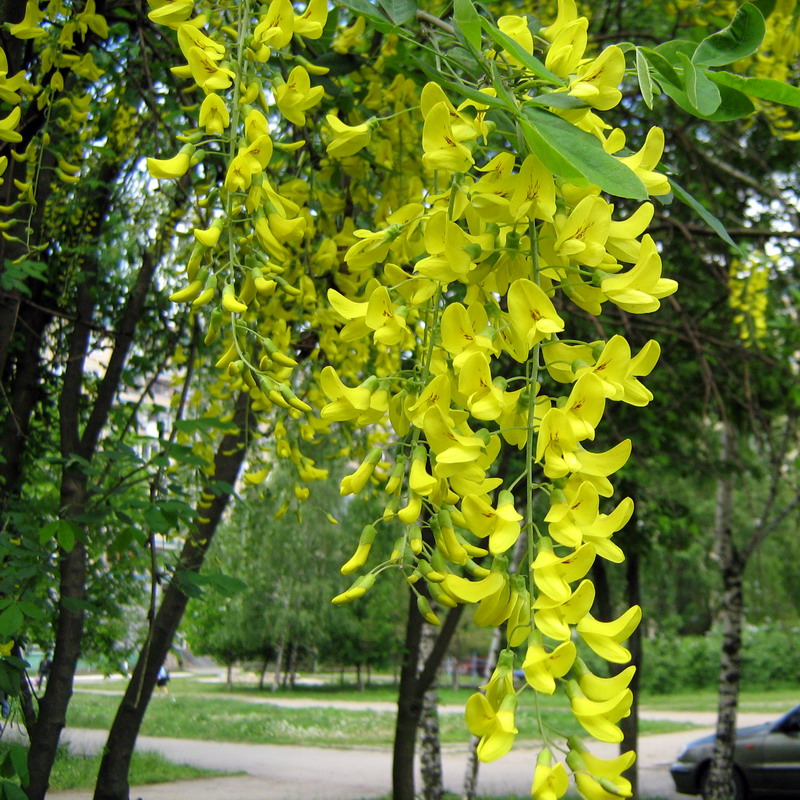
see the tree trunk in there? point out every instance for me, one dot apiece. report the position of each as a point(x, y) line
point(229, 677)
point(74, 493)
point(112, 780)
point(263, 675)
point(409, 707)
point(412, 687)
point(276, 678)
point(430, 744)
point(69, 632)
point(719, 784)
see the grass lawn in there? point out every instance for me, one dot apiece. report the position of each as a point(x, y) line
point(706, 700)
point(227, 718)
point(72, 771)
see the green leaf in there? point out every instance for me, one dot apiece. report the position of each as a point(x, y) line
point(363, 8)
point(662, 66)
point(467, 21)
point(10, 678)
point(733, 105)
point(549, 156)
point(762, 88)
point(645, 81)
point(10, 621)
point(399, 11)
point(702, 93)
point(740, 39)
point(30, 610)
point(520, 53)
point(225, 585)
point(585, 154)
point(155, 520)
point(509, 102)
point(766, 7)
point(66, 534)
point(703, 213)
point(13, 792)
point(557, 100)
point(48, 531)
point(20, 760)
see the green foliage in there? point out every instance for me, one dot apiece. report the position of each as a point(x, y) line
point(770, 659)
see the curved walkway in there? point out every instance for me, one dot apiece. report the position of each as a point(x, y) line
point(287, 772)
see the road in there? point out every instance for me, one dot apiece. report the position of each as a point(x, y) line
point(287, 772)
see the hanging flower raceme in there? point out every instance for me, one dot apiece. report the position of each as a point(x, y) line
point(435, 253)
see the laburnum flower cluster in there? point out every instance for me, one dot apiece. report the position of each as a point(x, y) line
point(456, 301)
point(475, 277)
point(60, 35)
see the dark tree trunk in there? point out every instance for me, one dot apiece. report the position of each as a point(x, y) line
point(413, 685)
point(69, 632)
point(276, 678)
point(112, 780)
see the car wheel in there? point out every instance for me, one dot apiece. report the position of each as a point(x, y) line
point(739, 788)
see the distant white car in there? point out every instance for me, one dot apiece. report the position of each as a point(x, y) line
point(766, 760)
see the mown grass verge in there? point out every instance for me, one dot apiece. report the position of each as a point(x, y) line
point(74, 771)
point(226, 719)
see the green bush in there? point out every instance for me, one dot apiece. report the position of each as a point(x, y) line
point(770, 658)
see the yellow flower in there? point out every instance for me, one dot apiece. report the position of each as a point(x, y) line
point(205, 72)
point(567, 48)
point(382, 317)
point(582, 236)
point(553, 618)
point(347, 139)
point(173, 14)
point(8, 125)
point(363, 404)
point(28, 27)
point(214, 116)
point(598, 81)
point(535, 192)
point(589, 770)
point(541, 667)
point(275, 28)
point(312, 21)
point(354, 483)
point(549, 782)
point(532, 313)
point(646, 160)
point(605, 637)
point(441, 149)
point(639, 290)
point(296, 95)
point(494, 726)
point(553, 575)
point(600, 719)
point(171, 168)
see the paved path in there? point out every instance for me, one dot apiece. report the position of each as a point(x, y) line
point(286, 772)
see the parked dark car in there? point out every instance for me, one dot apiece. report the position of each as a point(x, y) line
point(766, 760)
